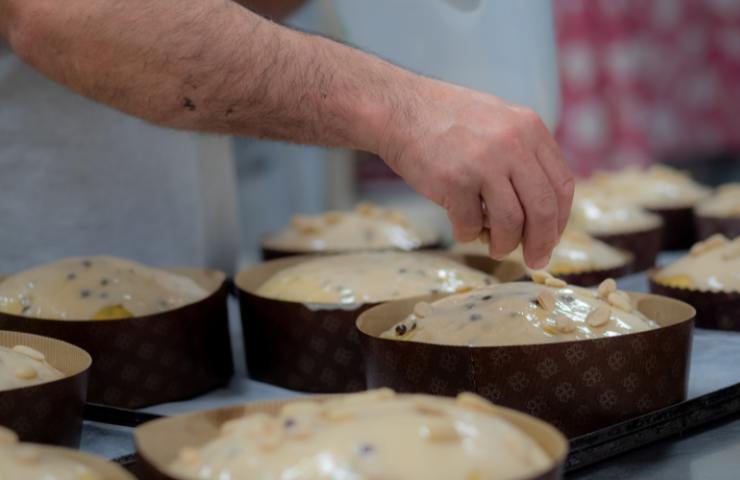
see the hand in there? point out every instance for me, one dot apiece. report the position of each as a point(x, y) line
point(460, 148)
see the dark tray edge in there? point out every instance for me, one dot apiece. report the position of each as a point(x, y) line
point(585, 450)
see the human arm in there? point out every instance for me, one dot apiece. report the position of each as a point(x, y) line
point(211, 65)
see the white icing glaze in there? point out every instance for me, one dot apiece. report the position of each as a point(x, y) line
point(370, 277)
point(23, 367)
point(576, 252)
point(367, 228)
point(724, 203)
point(371, 435)
point(83, 288)
point(596, 213)
point(27, 462)
point(655, 187)
point(514, 314)
point(711, 265)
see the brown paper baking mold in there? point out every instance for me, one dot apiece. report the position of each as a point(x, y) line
point(707, 226)
point(107, 470)
point(715, 310)
point(314, 347)
point(159, 442)
point(578, 386)
point(679, 230)
point(150, 359)
point(644, 245)
point(49, 412)
point(590, 278)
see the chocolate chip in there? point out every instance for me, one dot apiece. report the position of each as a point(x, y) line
point(26, 309)
point(469, 306)
point(104, 282)
point(400, 329)
point(71, 276)
point(402, 270)
point(104, 295)
point(487, 297)
point(433, 290)
point(413, 326)
point(487, 281)
point(365, 449)
point(85, 293)
point(474, 317)
point(567, 299)
point(86, 263)
point(289, 423)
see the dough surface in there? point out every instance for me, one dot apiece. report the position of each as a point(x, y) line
point(713, 264)
point(95, 288)
point(22, 366)
point(724, 203)
point(370, 277)
point(576, 252)
point(28, 462)
point(597, 214)
point(521, 313)
point(368, 227)
point(655, 187)
point(370, 435)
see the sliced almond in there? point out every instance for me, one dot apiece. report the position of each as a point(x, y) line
point(397, 218)
point(599, 316)
point(332, 218)
point(422, 309)
point(564, 324)
point(25, 372)
point(620, 300)
point(540, 276)
point(546, 300)
point(29, 352)
point(427, 406)
point(365, 208)
point(555, 282)
point(305, 225)
point(606, 287)
point(472, 401)
point(700, 248)
point(441, 430)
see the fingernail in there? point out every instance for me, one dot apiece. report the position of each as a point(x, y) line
point(541, 263)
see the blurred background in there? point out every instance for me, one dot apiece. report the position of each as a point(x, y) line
point(621, 82)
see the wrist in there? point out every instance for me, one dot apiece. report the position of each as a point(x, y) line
point(387, 111)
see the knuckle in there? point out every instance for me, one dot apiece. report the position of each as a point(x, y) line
point(545, 204)
point(510, 219)
point(567, 186)
point(456, 176)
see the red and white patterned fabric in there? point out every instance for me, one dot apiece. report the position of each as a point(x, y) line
point(642, 80)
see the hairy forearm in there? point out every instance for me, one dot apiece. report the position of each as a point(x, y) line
point(210, 65)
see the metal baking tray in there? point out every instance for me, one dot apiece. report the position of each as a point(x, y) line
point(709, 411)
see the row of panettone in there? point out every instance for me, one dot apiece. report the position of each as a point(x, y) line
point(544, 347)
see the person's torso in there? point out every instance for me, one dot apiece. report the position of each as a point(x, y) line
point(79, 178)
